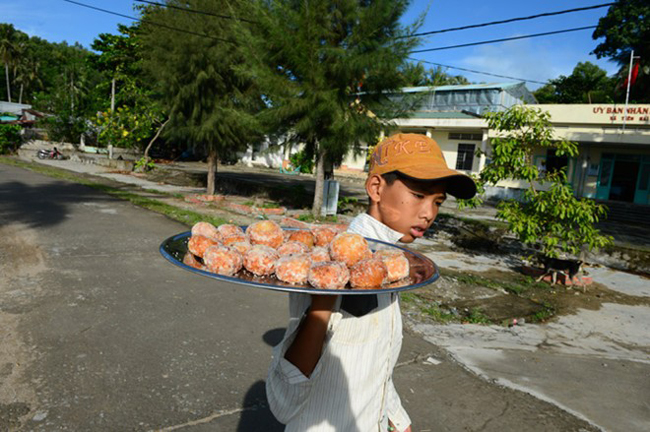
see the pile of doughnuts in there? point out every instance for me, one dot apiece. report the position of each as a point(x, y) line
point(321, 257)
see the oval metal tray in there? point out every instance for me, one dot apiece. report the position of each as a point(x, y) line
point(423, 271)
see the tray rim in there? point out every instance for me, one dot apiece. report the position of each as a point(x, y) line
point(299, 289)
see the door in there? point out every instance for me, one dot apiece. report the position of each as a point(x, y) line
point(605, 176)
point(642, 194)
point(624, 179)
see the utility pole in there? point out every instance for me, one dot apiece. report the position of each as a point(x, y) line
point(629, 83)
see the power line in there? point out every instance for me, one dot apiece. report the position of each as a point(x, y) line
point(477, 72)
point(148, 21)
point(509, 20)
point(195, 11)
point(503, 39)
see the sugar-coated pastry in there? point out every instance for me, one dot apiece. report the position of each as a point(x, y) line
point(319, 254)
point(235, 238)
point(227, 230)
point(294, 268)
point(190, 260)
point(206, 229)
point(368, 273)
point(198, 244)
point(349, 248)
point(241, 246)
point(292, 247)
point(323, 235)
point(302, 236)
point(223, 260)
point(260, 260)
point(396, 263)
point(328, 275)
point(266, 233)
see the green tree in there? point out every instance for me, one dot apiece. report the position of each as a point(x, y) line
point(549, 214)
point(626, 27)
point(415, 74)
point(325, 68)
point(588, 83)
point(210, 104)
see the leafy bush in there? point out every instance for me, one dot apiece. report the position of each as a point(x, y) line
point(551, 217)
point(10, 138)
point(304, 160)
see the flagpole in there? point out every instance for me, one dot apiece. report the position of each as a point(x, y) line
point(627, 94)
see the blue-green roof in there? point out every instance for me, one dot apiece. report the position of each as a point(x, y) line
point(489, 86)
point(8, 118)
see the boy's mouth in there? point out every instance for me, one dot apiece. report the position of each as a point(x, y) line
point(417, 231)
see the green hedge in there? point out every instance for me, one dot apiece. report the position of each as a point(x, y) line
point(10, 138)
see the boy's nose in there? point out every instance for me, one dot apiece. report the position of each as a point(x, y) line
point(429, 212)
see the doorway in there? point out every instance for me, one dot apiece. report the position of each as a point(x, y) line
point(624, 180)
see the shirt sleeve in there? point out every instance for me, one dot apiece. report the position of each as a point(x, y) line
point(396, 413)
point(287, 388)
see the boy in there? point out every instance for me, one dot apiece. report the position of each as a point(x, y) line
point(333, 369)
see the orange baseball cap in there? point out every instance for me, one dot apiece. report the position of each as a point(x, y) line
point(419, 157)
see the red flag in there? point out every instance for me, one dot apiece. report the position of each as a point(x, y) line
point(635, 73)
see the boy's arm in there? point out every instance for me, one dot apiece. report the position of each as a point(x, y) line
point(306, 349)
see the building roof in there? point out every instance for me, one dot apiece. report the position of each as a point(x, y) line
point(460, 87)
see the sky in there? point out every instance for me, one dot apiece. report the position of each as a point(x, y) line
point(536, 59)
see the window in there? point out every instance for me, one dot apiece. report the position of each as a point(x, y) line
point(554, 162)
point(465, 136)
point(465, 158)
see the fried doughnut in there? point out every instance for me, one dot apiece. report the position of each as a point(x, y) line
point(319, 254)
point(294, 268)
point(266, 233)
point(190, 260)
point(368, 273)
point(396, 263)
point(323, 235)
point(242, 246)
point(198, 244)
point(227, 230)
point(302, 236)
point(260, 260)
point(349, 248)
point(206, 229)
point(235, 238)
point(223, 260)
point(292, 247)
point(328, 275)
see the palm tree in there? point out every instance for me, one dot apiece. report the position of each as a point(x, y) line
point(27, 74)
point(7, 51)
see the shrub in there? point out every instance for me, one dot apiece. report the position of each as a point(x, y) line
point(10, 138)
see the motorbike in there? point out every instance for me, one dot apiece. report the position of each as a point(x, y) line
point(50, 154)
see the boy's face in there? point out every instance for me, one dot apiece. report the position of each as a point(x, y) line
point(407, 206)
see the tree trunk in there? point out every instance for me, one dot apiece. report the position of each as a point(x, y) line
point(212, 171)
point(317, 207)
point(112, 95)
point(8, 86)
point(20, 98)
point(146, 151)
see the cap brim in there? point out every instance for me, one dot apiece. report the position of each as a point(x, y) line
point(459, 185)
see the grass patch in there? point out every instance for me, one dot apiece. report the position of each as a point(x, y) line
point(264, 205)
point(518, 285)
point(432, 310)
point(309, 218)
point(186, 217)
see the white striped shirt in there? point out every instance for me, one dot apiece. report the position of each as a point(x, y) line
point(351, 388)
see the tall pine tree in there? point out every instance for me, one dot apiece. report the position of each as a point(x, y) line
point(326, 67)
point(210, 104)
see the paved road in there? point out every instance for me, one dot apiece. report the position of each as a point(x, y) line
point(100, 333)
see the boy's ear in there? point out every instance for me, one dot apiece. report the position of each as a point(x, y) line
point(374, 186)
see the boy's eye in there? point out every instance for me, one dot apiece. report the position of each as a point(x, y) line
point(417, 195)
